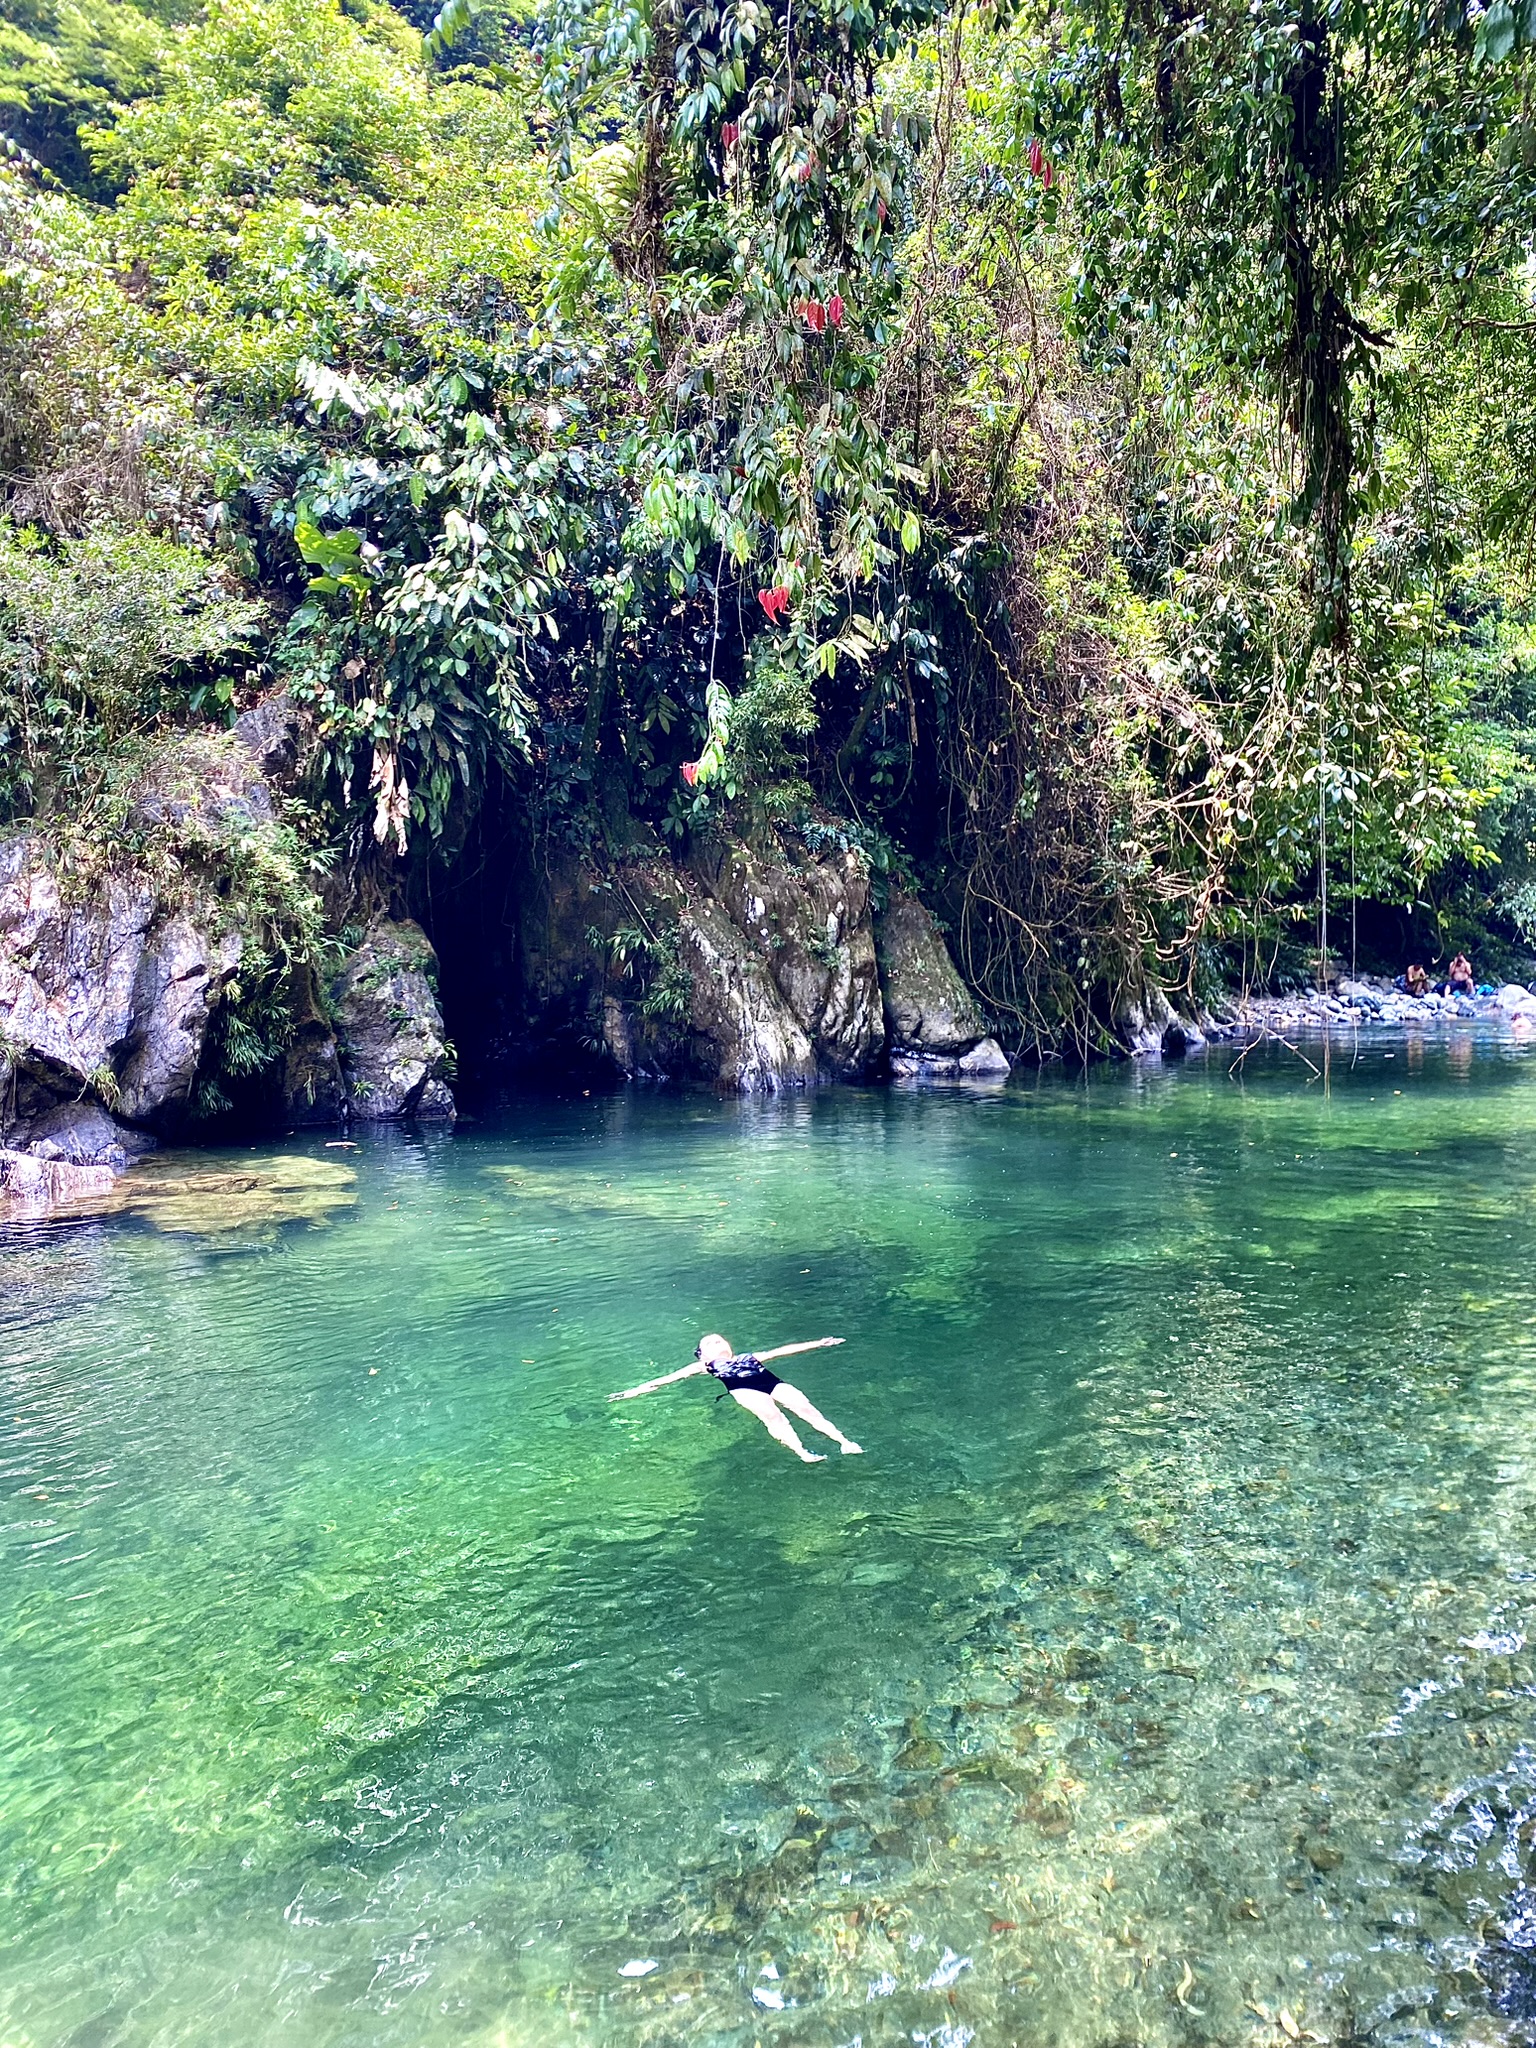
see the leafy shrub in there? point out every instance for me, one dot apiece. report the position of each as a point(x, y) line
point(101, 640)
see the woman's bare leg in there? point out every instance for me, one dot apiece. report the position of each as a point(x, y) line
point(801, 1404)
point(762, 1406)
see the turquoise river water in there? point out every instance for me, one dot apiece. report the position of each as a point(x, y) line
point(1160, 1675)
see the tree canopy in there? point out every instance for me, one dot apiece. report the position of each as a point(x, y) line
point(1082, 455)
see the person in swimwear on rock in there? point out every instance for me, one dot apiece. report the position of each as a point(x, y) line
point(748, 1380)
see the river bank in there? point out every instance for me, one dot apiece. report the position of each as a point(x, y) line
point(1373, 1003)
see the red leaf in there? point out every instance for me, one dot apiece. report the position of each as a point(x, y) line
point(835, 309)
point(690, 772)
point(730, 133)
point(1050, 176)
point(881, 208)
point(1036, 155)
point(769, 600)
point(815, 315)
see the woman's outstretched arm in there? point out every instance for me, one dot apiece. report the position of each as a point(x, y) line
point(789, 1350)
point(686, 1373)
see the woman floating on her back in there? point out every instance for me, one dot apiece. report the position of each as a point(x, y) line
point(760, 1391)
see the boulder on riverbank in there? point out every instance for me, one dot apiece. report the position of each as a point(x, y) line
point(934, 1026)
point(1359, 1002)
point(929, 1011)
point(393, 1053)
point(811, 922)
point(105, 994)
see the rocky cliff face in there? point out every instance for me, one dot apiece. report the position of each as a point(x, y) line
point(111, 985)
point(751, 968)
point(105, 997)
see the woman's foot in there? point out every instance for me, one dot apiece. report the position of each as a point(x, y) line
point(851, 1450)
point(813, 1457)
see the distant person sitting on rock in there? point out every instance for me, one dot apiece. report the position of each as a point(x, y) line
point(1459, 981)
point(758, 1390)
point(1415, 982)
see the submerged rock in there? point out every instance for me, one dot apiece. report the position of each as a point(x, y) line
point(34, 1186)
point(182, 1197)
point(394, 1056)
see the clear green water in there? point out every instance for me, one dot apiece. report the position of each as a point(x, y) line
point(368, 1679)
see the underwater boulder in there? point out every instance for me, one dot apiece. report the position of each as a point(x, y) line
point(186, 1196)
point(30, 1186)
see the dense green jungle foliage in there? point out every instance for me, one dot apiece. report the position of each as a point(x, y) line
point(1082, 455)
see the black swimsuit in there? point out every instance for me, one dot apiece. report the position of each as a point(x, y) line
point(744, 1374)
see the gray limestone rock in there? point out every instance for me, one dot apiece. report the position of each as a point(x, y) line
point(750, 969)
point(269, 733)
point(985, 1061)
point(928, 1008)
point(103, 992)
point(811, 922)
point(743, 1034)
point(988, 1058)
point(1152, 1028)
point(181, 976)
point(394, 1057)
point(67, 968)
point(82, 1134)
point(1144, 1026)
point(208, 780)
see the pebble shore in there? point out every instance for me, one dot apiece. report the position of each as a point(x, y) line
point(1372, 1001)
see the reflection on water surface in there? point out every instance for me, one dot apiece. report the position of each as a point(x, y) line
point(1160, 1674)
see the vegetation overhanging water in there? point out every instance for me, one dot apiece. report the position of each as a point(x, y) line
point(1159, 1674)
